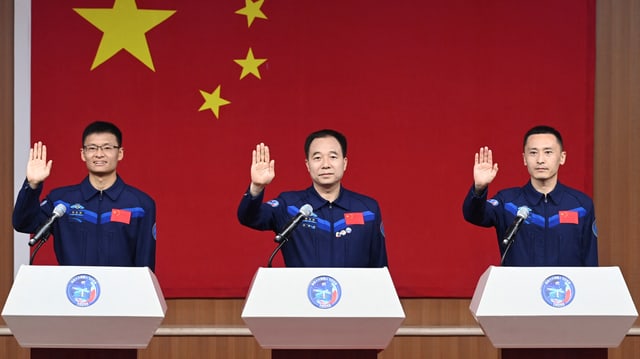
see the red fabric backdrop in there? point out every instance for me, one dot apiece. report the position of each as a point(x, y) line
point(416, 85)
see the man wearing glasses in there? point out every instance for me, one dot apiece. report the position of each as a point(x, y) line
point(106, 222)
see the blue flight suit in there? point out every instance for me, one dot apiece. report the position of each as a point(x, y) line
point(345, 233)
point(559, 231)
point(114, 227)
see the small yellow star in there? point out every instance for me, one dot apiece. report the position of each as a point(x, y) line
point(252, 10)
point(124, 27)
point(213, 101)
point(250, 65)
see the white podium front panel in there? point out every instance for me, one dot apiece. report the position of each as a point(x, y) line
point(84, 307)
point(323, 308)
point(553, 307)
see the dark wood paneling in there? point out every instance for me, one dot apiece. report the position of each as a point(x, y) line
point(204, 347)
point(6, 148)
point(440, 347)
point(617, 145)
point(9, 348)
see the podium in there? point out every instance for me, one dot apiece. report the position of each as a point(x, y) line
point(84, 307)
point(567, 310)
point(323, 312)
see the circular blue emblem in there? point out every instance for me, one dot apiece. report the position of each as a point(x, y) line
point(324, 292)
point(558, 291)
point(83, 290)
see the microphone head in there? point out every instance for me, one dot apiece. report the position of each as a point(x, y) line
point(523, 212)
point(306, 210)
point(60, 210)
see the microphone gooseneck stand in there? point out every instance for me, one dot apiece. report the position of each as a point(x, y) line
point(40, 244)
point(282, 237)
point(282, 242)
point(506, 250)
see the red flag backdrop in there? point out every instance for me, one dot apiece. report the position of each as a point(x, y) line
point(416, 85)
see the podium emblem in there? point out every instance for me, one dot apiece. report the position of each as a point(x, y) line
point(558, 291)
point(324, 292)
point(83, 290)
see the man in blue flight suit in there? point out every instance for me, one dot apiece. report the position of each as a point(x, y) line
point(106, 222)
point(345, 229)
point(560, 229)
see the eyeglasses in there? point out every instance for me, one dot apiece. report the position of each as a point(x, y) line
point(91, 149)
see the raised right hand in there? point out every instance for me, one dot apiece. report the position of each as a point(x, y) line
point(262, 169)
point(484, 170)
point(38, 168)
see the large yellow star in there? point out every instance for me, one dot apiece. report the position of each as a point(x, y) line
point(252, 10)
point(124, 28)
point(213, 101)
point(250, 65)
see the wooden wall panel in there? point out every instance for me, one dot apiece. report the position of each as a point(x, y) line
point(204, 312)
point(9, 348)
point(6, 148)
point(204, 347)
point(440, 347)
point(617, 145)
point(437, 312)
point(629, 349)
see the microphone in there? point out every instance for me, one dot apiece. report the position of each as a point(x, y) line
point(521, 215)
point(305, 211)
point(45, 230)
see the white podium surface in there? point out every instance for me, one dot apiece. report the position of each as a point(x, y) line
point(115, 307)
point(553, 307)
point(323, 308)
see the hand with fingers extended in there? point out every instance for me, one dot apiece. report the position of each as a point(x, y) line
point(262, 169)
point(38, 168)
point(484, 170)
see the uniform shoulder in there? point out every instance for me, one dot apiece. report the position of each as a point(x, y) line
point(351, 195)
point(581, 196)
point(293, 197)
point(293, 194)
point(59, 192)
point(141, 195)
point(510, 192)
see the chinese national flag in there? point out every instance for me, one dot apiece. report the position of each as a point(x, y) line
point(568, 217)
point(120, 215)
point(353, 218)
point(417, 86)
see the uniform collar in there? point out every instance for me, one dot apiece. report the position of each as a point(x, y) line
point(112, 192)
point(555, 196)
point(317, 201)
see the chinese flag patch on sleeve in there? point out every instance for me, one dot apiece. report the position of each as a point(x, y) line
point(570, 217)
point(354, 218)
point(120, 215)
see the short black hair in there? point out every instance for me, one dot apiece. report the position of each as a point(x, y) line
point(342, 140)
point(540, 130)
point(102, 127)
